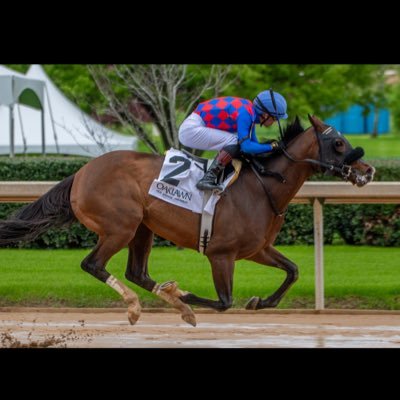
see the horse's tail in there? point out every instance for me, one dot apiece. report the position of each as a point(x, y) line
point(53, 209)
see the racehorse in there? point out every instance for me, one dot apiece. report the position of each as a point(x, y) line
point(109, 195)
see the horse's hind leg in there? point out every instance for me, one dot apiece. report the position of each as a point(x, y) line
point(139, 251)
point(137, 272)
point(272, 257)
point(95, 264)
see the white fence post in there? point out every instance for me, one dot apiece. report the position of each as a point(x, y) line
point(319, 253)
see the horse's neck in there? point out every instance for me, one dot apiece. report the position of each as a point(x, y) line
point(304, 146)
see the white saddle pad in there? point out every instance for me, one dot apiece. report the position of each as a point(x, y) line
point(176, 183)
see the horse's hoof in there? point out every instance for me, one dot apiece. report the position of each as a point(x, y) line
point(253, 303)
point(133, 319)
point(190, 319)
point(133, 316)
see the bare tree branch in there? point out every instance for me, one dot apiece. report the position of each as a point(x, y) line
point(99, 136)
point(216, 79)
point(119, 109)
point(161, 90)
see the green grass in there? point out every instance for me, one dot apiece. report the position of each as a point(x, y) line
point(384, 146)
point(355, 277)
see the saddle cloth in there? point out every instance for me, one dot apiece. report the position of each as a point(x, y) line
point(176, 183)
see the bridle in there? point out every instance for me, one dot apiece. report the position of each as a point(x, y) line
point(344, 169)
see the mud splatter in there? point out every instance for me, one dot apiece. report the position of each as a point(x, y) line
point(8, 340)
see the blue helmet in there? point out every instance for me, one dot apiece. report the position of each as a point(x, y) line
point(263, 104)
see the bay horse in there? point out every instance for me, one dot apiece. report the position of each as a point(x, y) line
point(109, 195)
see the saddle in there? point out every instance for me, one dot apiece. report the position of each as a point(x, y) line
point(257, 162)
point(235, 166)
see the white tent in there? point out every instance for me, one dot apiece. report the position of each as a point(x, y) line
point(67, 129)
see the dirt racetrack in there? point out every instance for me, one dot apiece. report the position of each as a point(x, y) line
point(273, 328)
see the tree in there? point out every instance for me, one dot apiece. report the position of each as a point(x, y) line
point(75, 81)
point(374, 96)
point(167, 94)
point(394, 95)
point(319, 89)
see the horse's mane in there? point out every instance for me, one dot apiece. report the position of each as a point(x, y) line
point(292, 130)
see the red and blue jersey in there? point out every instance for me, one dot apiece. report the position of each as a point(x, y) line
point(235, 115)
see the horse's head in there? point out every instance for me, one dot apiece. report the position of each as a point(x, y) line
point(337, 157)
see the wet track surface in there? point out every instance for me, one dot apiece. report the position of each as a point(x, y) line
point(71, 329)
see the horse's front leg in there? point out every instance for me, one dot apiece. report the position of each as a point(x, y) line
point(222, 266)
point(272, 257)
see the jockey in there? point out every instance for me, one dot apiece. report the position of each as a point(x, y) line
point(227, 124)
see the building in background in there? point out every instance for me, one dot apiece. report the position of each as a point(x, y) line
point(353, 121)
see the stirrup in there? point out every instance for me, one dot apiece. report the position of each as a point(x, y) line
point(211, 186)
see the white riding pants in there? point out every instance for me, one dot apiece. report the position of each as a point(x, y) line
point(193, 133)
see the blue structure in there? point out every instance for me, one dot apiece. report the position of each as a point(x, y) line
point(335, 121)
point(383, 121)
point(354, 122)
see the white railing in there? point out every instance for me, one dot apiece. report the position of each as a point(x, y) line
point(315, 193)
point(319, 193)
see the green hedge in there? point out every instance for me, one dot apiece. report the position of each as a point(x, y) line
point(46, 169)
point(371, 224)
point(353, 224)
point(386, 170)
point(39, 168)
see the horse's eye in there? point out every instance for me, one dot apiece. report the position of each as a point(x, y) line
point(339, 145)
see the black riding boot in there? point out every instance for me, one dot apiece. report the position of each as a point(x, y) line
point(223, 158)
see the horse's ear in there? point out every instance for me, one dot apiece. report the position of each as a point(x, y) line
point(318, 125)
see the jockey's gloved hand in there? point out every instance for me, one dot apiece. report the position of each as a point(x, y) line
point(277, 145)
